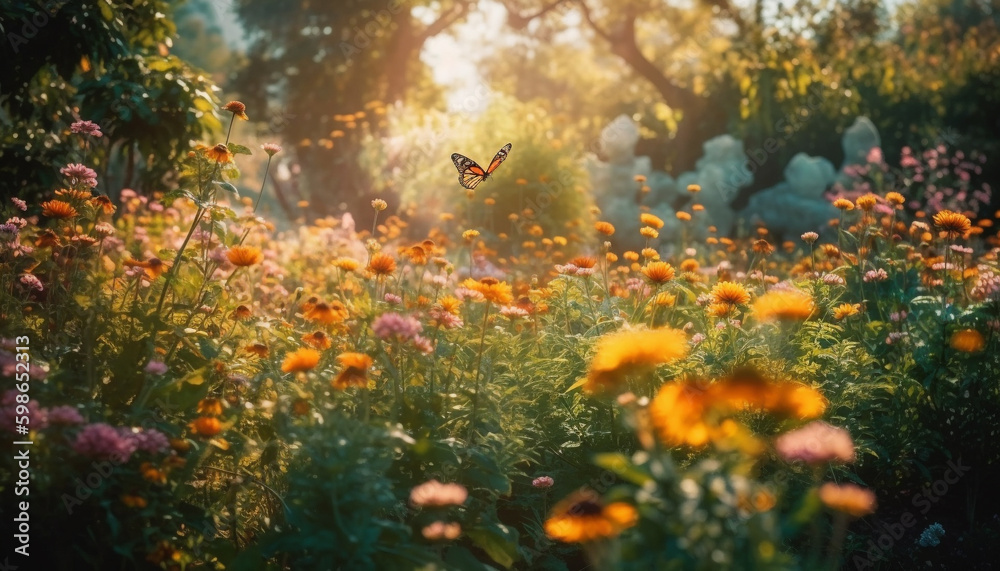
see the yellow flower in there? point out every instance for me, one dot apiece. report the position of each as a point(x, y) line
point(785, 305)
point(866, 202)
point(244, 255)
point(658, 272)
point(205, 426)
point(846, 310)
point(692, 188)
point(843, 204)
point(625, 352)
point(895, 198)
point(649, 232)
point(583, 517)
point(300, 360)
point(470, 235)
point(730, 293)
point(492, 289)
point(327, 313)
point(347, 264)
point(605, 228)
point(953, 223)
point(683, 216)
point(967, 341)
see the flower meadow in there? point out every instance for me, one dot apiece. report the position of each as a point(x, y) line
point(208, 391)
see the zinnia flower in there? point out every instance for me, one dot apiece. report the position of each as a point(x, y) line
point(300, 360)
point(244, 256)
point(219, 153)
point(785, 305)
point(355, 373)
point(583, 517)
point(625, 352)
point(730, 293)
point(58, 209)
point(382, 264)
point(86, 128)
point(658, 272)
point(237, 108)
point(492, 290)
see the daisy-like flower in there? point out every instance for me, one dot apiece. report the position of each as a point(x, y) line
point(219, 153)
point(792, 305)
point(238, 109)
point(244, 256)
point(317, 340)
point(809, 237)
point(300, 360)
point(327, 313)
point(649, 232)
point(80, 174)
point(104, 204)
point(847, 498)
point(683, 216)
point(626, 352)
point(543, 482)
point(605, 228)
point(435, 494)
point(895, 198)
point(658, 272)
point(382, 265)
point(86, 128)
point(763, 247)
point(271, 149)
point(693, 188)
point(730, 293)
point(843, 204)
point(583, 517)
point(866, 202)
point(953, 223)
point(347, 264)
point(492, 290)
point(58, 209)
point(846, 310)
point(355, 370)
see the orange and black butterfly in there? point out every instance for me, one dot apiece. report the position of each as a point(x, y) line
point(471, 174)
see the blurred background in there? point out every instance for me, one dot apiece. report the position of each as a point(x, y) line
point(769, 106)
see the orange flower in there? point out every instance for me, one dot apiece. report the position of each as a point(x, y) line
point(219, 153)
point(683, 216)
point(258, 349)
point(785, 305)
point(730, 293)
point(493, 290)
point(967, 341)
point(586, 262)
point(583, 517)
point(58, 209)
point(649, 232)
point(658, 272)
point(133, 501)
point(244, 256)
point(845, 310)
point(300, 360)
point(347, 264)
point(763, 247)
point(355, 373)
point(317, 340)
point(382, 264)
point(847, 498)
point(866, 202)
point(625, 352)
point(205, 426)
point(210, 407)
point(605, 228)
point(238, 109)
point(73, 194)
point(648, 219)
point(953, 223)
point(843, 204)
point(327, 313)
point(895, 198)
point(242, 312)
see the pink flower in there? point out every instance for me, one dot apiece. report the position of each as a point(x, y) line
point(151, 440)
point(65, 415)
point(395, 325)
point(875, 155)
point(446, 319)
point(37, 416)
point(393, 299)
point(697, 338)
point(104, 442)
point(876, 275)
point(86, 128)
point(513, 312)
point(815, 443)
point(80, 174)
point(543, 482)
point(32, 282)
point(156, 368)
point(435, 494)
point(271, 149)
point(19, 204)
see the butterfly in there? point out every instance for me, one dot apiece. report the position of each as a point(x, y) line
point(471, 174)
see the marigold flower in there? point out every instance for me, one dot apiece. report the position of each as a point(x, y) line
point(847, 498)
point(649, 232)
point(605, 228)
point(435, 494)
point(355, 372)
point(583, 517)
point(953, 223)
point(648, 219)
point(470, 235)
point(382, 264)
point(895, 198)
point(785, 305)
point(244, 256)
point(492, 289)
point(205, 426)
point(300, 360)
point(625, 352)
point(866, 202)
point(585, 262)
point(730, 293)
point(658, 272)
point(238, 109)
point(967, 341)
point(58, 209)
point(327, 313)
point(843, 204)
point(664, 299)
point(631, 256)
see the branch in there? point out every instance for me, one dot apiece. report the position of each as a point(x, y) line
point(443, 22)
point(518, 21)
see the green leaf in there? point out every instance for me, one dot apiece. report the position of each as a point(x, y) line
point(227, 186)
point(498, 541)
point(620, 465)
point(239, 149)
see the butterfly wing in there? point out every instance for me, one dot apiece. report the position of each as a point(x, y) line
point(470, 174)
point(500, 157)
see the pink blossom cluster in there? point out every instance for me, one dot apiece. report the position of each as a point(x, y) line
point(101, 441)
point(80, 175)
